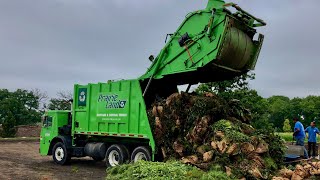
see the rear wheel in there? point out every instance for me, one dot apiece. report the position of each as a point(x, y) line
point(116, 154)
point(60, 154)
point(141, 153)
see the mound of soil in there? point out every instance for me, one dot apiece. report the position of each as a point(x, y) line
point(28, 131)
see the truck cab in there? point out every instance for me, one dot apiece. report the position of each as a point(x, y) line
point(55, 124)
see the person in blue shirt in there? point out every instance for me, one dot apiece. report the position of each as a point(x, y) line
point(312, 131)
point(299, 135)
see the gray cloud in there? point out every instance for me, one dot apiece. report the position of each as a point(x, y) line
point(53, 44)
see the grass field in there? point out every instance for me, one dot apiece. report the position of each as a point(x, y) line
point(288, 137)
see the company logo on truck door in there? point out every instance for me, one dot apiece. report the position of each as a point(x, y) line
point(112, 101)
point(82, 96)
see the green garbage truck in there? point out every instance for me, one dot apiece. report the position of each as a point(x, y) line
point(109, 121)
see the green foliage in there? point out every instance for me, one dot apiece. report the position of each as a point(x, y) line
point(215, 175)
point(237, 136)
point(269, 112)
point(214, 107)
point(231, 130)
point(225, 87)
point(277, 147)
point(241, 164)
point(262, 122)
point(288, 137)
point(59, 104)
point(222, 125)
point(287, 126)
point(279, 107)
point(8, 126)
point(282, 108)
point(22, 104)
point(162, 171)
point(238, 88)
point(270, 164)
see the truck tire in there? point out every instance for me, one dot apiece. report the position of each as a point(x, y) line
point(60, 154)
point(116, 154)
point(141, 153)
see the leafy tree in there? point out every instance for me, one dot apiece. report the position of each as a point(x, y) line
point(8, 125)
point(59, 104)
point(310, 109)
point(287, 126)
point(4, 93)
point(295, 109)
point(62, 102)
point(238, 88)
point(228, 86)
point(279, 109)
point(23, 105)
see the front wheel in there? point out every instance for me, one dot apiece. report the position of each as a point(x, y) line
point(60, 154)
point(141, 153)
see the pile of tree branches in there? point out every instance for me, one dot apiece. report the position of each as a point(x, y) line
point(207, 130)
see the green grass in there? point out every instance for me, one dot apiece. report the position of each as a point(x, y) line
point(287, 136)
point(162, 171)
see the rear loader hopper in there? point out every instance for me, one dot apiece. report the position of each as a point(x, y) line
point(210, 45)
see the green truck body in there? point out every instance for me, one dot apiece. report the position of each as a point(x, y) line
point(114, 109)
point(109, 120)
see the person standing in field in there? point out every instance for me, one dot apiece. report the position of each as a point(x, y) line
point(299, 135)
point(312, 131)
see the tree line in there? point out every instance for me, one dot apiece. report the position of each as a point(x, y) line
point(275, 112)
point(26, 107)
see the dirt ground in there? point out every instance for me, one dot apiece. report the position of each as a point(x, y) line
point(21, 160)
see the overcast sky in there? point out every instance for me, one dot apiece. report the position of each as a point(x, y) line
point(53, 44)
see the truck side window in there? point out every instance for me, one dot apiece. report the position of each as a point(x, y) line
point(44, 121)
point(49, 121)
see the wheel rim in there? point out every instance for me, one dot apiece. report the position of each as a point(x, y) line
point(59, 154)
point(113, 158)
point(140, 156)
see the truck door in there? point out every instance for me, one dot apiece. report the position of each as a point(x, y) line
point(46, 130)
point(46, 135)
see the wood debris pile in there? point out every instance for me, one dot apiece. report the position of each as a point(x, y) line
point(301, 171)
point(207, 131)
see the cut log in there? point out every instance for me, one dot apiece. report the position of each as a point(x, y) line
point(178, 148)
point(207, 156)
point(247, 148)
point(262, 147)
point(232, 149)
point(228, 171)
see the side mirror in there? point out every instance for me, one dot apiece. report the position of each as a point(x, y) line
point(151, 58)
